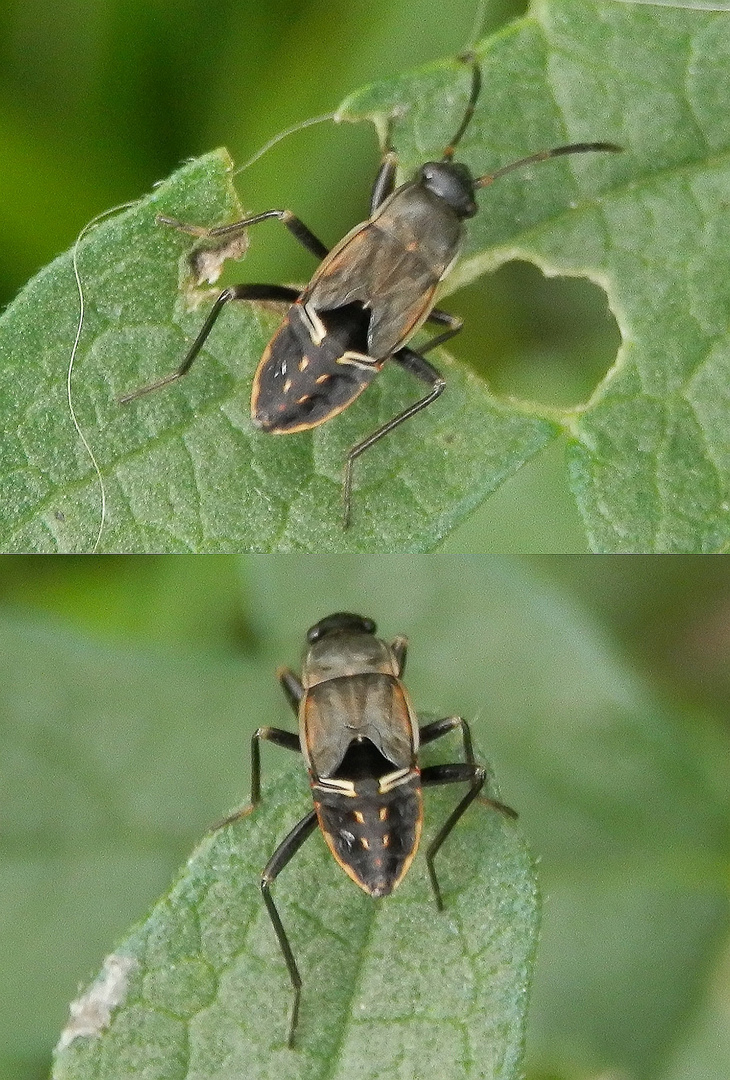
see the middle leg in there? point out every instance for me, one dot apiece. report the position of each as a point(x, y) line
point(288, 739)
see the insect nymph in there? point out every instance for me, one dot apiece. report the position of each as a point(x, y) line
point(360, 738)
point(370, 294)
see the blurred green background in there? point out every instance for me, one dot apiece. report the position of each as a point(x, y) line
point(99, 101)
point(598, 689)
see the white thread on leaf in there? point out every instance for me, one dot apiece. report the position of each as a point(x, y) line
point(86, 229)
point(478, 24)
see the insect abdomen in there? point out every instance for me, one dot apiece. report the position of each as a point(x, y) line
point(302, 382)
point(372, 835)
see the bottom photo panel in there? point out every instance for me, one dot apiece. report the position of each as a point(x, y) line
point(346, 817)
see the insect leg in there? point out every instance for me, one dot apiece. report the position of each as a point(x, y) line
point(276, 293)
point(453, 322)
point(453, 774)
point(291, 686)
point(286, 849)
point(437, 728)
point(288, 739)
point(385, 180)
point(450, 774)
point(296, 227)
point(419, 367)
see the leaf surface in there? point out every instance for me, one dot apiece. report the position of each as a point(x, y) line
point(386, 985)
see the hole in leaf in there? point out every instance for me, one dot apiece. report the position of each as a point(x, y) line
point(549, 340)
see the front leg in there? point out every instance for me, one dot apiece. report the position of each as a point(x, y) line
point(297, 228)
point(292, 687)
point(384, 185)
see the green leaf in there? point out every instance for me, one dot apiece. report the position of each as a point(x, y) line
point(204, 986)
point(184, 470)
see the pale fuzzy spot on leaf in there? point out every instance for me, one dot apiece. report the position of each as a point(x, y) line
point(91, 1012)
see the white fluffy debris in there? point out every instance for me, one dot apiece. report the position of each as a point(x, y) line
point(91, 1012)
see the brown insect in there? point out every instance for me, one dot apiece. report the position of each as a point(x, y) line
point(360, 736)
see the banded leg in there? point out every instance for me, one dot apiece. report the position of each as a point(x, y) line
point(297, 228)
point(415, 363)
point(286, 849)
point(276, 293)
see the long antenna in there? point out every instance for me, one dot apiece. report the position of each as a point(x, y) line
point(478, 25)
point(544, 155)
point(283, 135)
point(476, 86)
